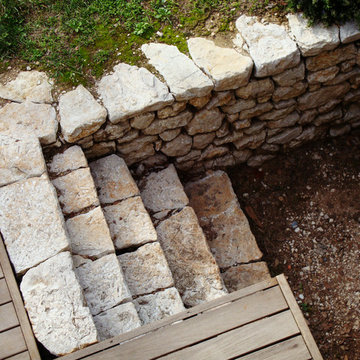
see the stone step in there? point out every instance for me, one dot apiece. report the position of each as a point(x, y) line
point(227, 230)
point(195, 272)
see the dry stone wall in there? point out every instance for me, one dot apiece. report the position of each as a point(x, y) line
point(277, 88)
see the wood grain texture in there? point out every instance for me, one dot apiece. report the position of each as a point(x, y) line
point(8, 318)
point(299, 318)
point(4, 292)
point(292, 349)
point(11, 342)
point(23, 356)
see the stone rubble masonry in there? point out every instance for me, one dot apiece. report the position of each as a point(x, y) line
point(55, 305)
point(31, 222)
point(349, 32)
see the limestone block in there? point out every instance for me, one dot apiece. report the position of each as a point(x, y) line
point(116, 321)
point(238, 106)
point(112, 132)
point(72, 158)
point(130, 91)
point(129, 136)
point(146, 269)
point(269, 46)
point(353, 76)
point(156, 188)
point(201, 141)
point(349, 32)
point(192, 155)
point(288, 121)
point(89, 234)
point(256, 88)
point(196, 274)
point(169, 135)
point(103, 283)
point(251, 141)
point(241, 276)
point(142, 121)
point(234, 136)
point(227, 68)
point(33, 86)
point(291, 76)
point(31, 222)
point(180, 146)
point(55, 305)
point(113, 179)
point(39, 119)
point(277, 114)
point(172, 110)
point(258, 160)
point(80, 114)
point(100, 149)
point(20, 158)
point(135, 145)
point(76, 191)
point(314, 39)
point(323, 75)
point(87, 142)
point(284, 104)
point(139, 155)
point(129, 223)
point(213, 151)
point(288, 92)
point(205, 121)
point(220, 98)
point(285, 136)
point(187, 81)
point(158, 306)
point(256, 111)
point(273, 148)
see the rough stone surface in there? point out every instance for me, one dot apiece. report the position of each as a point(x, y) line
point(349, 32)
point(241, 276)
point(129, 223)
point(285, 136)
point(291, 76)
point(158, 306)
point(322, 76)
point(113, 179)
point(213, 151)
point(225, 225)
point(288, 121)
point(277, 114)
point(239, 105)
point(255, 89)
point(72, 158)
point(142, 121)
point(205, 121)
point(20, 158)
point(188, 81)
point(251, 141)
point(89, 234)
point(116, 321)
point(146, 269)
point(103, 283)
point(39, 119)
point(130, 91)
point(100, 149)
point(180, 146)
point(269, 45)
point(328, 117)
point(258, 160)
point(196, 274)
point(55, 305)
point(339, 130)
point(171, 110)
point(256, 111)
point(76, 191)
point(219, 99)
point(169, 135)
point(156, 188)
point(136, 144)
point(141, 154)
point(33, 86)
point(226, 67)
point(288, 92)
point(315, 39)
point(200, 102)
point(113, 132)
point(201, 141)
point(31, 222)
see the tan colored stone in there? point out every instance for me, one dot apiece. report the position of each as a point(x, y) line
point(213, 151)
point(113, 179)
point(256, 111)
point(156, 188)
point(223, 130)
point(232, 117)
point(201, 141)
point(31, 222)
point(89, 234)
point(142, 121)
point(323, 75)
point(140, 154)
point(288, 92)
point(307, 117)
point(353, 76)
point(242, 124)
point(129, 136)
point(169, 135)
point(234, 136)
point(196, 275)
point(129, 223)
point(192, 155)
point(238, 106)
point(251, 141)
point(116, 321)
point(56, 306)
point(103, 283)
point(180, 146)
point(241, 276)
point(200, 102)
point(258, 160)
point(158, 306)
point(284, 104)
point(100, 149)
point(255, 127)
point(256, 88)
point(241, 156)
point(172, 110)
point(277, 114)
point(330, 105)
point(285, 136)
point(291, 76)
point(146, 269)
point(76, 191)
point(112, 132)
point(220, 98)
point(86, 143)
point(135, 145)
point(328, 117)
point(205, 121)
point(288, 121)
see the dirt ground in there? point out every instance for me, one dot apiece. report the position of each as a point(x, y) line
point(304, 210)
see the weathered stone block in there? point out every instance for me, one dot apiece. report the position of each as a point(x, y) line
point(100, 149)
point(251, 141)
point(256, 111)
point(201, 141)
point(112, 132)
point(349, 32)
point(205, 121)
point(291, 76)
point(288, 92)
point(136, 144)
point(258, 160)
point(285, 136)
point(172, 110)
point(322, 76)
point(288, 121)
point(180, 146)
point(255, 89)
point(142, 121)
point(238, 106)
point(169, 135)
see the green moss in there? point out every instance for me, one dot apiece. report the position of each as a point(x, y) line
point(175, 37)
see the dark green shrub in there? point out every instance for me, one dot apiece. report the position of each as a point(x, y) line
point(328, 11)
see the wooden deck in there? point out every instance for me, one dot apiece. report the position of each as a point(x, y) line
point(260, 322)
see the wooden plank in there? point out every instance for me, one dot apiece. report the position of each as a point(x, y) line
point(240, 341)
point(198, 328)
point(23, 356)
point(18, 303)
point(1, 273)
point(4, 292)
point(11, 342)
point(8, 318)
point(171, 319)
point(299, 318)
point(294, 349)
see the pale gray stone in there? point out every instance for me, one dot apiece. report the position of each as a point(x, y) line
point(100, 149)
point(116, 321)
point(291, 76)
point(129, 223)
point(172, 110)
point(76, 191)
point(130, 91)
point(187, 81)
point(196, 274)
point(103, 283)
point(146, 269)
point(142, 121)
point(89, 234)
point(72, 158)
point(79, 260)
point(226, 67)
point(112, 132)
point(180, 146)
point(269, 46)
point(314, 39)
point(205, 121)
point(39, 119)
point(169, 135)
point(20, 158)
point(113, 179)
point(349, 32)
point(33, 86)
point(285, 136)
point(258, 160)
point(238, 106)
point(56, 306)
point(201, 141)
point(158, 306)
